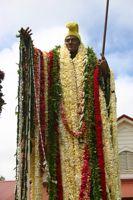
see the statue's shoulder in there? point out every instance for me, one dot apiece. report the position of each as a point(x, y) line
point(57, 49)
point(92, 57)
point(90, 51)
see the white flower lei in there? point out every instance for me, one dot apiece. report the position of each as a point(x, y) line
point(72, 82)
point(71, 152)
point(110, 143)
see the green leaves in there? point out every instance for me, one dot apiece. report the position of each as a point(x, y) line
point(89, 118)
point(54, 95)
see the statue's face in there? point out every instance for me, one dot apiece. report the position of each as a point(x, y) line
point(72, 43)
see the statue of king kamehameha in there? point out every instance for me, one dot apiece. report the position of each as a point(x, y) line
point(66, 137)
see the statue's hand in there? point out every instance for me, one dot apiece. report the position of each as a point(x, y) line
point(25, 35)
point(103, 66)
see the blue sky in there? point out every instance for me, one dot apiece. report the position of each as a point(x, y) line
point(47, 20)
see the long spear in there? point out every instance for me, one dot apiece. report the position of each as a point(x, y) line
point(105, 29)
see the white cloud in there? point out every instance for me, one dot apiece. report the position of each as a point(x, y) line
point(124, 87)
point(121, 62)
point(121, 13)
point(48, 38)
point(38, 14)
point(45, 14)
point(8, 60)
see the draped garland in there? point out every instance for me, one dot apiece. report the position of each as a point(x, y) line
point(30, 129)
point(24, 119)
point(98, 189)
point(110, 142)
point(90, 121)
point(85, 177)
point(40, 106)
point(99, 139)
point(53, 151)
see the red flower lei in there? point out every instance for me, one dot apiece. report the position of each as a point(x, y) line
point(40, 102)
point(86, 173)
point(98, 125)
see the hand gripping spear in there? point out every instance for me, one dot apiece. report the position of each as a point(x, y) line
point(105, 29)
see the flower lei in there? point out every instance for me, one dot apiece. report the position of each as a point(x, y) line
point(77, 66)
point(87, 119)
point(77, 133)
point(39, 107)
point(89, 111)
point(30, 124)
point(52, 150)
point(110, 142)
point(24, 119)
point(86, 174)
point(90, 122)
point(99, 141)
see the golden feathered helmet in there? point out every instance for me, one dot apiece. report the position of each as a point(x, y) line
point(73, 29)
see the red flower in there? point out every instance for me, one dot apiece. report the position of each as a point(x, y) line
point(85, 179)
point(98, 125)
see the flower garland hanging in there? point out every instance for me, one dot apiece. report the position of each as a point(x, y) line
point(24, 117)
point(90, 123)
point(39, 84)
point(82, 120)
point(52, 150)
point(86, 173)
point(76, 69)
point(72, 102)
point(77, 133)
point(98, 125)
point(110, 142)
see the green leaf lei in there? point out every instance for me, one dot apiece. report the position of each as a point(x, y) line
point(25, 112)
point(90, 122)
point(54, 92)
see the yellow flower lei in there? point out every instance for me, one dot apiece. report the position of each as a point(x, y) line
point(71, 76)
point(72, 82)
